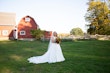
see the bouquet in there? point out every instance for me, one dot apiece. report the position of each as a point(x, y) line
point(58, 40)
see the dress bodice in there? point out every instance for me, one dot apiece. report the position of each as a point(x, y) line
point(53, 39)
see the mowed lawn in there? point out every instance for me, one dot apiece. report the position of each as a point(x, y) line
point(86, 56)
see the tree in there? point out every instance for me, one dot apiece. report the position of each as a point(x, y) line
point(97, 17)
point(77, 32)
point(37, 33)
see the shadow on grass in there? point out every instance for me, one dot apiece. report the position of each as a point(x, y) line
point(81, 57)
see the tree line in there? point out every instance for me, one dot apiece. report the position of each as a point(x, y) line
point(98, 18)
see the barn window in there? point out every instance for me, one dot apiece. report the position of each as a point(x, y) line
point(4, 32)
point(27, 19)
point(22, 32)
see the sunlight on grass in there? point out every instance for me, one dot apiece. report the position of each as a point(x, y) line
point(6, 70)
point(16, 57)
point(81, 57)
point(90, 56)
point(27, 49)
point(6, 42)
point(86, 56)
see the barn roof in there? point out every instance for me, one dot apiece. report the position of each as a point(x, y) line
point(7, 18)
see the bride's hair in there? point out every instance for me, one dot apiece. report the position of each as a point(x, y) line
point(55, 33)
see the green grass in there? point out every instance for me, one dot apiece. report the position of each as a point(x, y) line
point(89, 56)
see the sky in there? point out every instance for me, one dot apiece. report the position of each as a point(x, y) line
point(51, 15)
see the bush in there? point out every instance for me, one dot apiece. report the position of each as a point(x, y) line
point(37, 33)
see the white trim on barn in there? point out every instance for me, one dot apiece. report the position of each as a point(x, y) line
point(15, 33)
point(27, 19)
point(5, 32)
point(22, 32)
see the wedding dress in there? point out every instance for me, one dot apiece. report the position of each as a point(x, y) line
point(53, 54)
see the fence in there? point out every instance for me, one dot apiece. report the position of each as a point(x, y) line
point(87, 36)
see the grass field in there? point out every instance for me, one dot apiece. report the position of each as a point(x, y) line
point(86, 56)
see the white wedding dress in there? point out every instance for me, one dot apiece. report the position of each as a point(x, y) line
point(53, 54)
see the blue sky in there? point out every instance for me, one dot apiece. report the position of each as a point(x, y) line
point(50, 15)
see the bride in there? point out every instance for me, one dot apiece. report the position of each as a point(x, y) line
point(54, 53)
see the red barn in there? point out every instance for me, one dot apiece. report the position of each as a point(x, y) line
point(7, 25)
point(25, 25)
